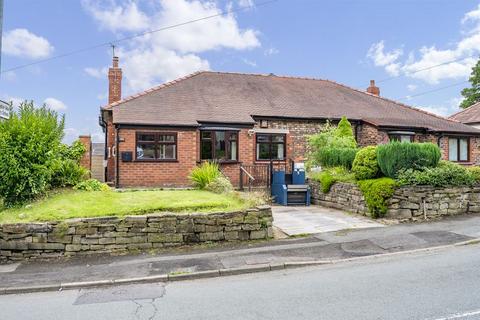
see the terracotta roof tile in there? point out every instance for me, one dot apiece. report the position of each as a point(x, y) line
point(469, 115)
point(221, 97)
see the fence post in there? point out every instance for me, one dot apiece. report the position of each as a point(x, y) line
point(241, 179)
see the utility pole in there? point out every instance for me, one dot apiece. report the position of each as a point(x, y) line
point(1, 23)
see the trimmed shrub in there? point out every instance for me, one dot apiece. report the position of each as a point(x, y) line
point(397, 156)
point(446, 174)
point(30, 141)
point(333, 146)
point(365, 165)
point(91, 185)
point(376, 193)
point(475, 172)
point(329, 176)
point(336, 157)
point(220, 184)
point(202, 175)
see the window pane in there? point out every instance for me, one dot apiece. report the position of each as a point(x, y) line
point(278, 138)
point(452, 149)
point(167, 151)
point(146, 137)
point(220, 145)
point(206, 150)
point(233, 150)
point(263, 151)
point(233, 136)
point(145, 151)
point(463, 149)
point(206, 135)
point(263, 138)
point(405, 138)
point(166, 138)
point(277, 151)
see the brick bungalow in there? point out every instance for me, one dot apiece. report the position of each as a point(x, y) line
point(469, 116)
point(154, 138)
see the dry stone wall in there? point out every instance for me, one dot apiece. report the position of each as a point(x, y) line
point(113, 234)
point(408, 202)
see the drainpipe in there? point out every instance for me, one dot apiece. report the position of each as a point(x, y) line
point(117, 169)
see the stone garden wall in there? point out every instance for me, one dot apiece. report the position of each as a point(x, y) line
point(116, 234)
point(409, 202)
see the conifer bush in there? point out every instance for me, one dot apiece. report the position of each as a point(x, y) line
point(396, 156)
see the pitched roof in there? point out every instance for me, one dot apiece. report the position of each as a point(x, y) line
point(220, 97)
point(469, 115)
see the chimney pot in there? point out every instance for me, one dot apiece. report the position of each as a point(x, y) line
point(373, 89)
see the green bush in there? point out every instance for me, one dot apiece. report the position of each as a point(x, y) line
point(68, 173)
point(445, 174)
point(204, 174)
point(365, 165)
point(336, 157)
point(333, 146)
point(91, 185)
point(397, 156)
point(475, 172)
point(376, 193)
point(73, 152)
point(30, 142)
point(220, 185)
point(328, 177)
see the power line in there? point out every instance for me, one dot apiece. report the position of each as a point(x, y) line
point(433, 90)
point(109, 43)
point(424, 69)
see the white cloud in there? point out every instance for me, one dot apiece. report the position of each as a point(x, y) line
point(172, 53)
point(412, 87)
point(116, 17)
point(246, 3)
point(446, 109)
point(23, 43)
point(15, 101)
point(419, 65)
point(100, 73)
point(55, 104)
point(251, 63)
point(388, 60)
point(271, 51)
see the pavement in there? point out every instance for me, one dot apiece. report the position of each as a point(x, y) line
point(236, 258)
point(436, 285)
point(316, 219)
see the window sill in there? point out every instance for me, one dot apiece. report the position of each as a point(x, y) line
point(268, 161)
point(220, 162)
point(158, 161)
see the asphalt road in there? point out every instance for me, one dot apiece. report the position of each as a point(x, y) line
point(440, 285)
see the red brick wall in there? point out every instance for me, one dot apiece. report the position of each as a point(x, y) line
point(175, 174)
point(110, 147)
point(86, 160)
point(153, 174)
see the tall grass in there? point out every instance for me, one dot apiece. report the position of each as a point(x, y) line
point(202, 175)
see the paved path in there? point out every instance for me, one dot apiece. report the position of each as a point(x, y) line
point(294, 220)
point(427, 286)
point(320, 247)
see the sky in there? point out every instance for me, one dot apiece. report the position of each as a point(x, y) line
point(348, 41)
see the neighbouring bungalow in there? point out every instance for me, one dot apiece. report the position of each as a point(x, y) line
point(469, 116)
point(156, 137)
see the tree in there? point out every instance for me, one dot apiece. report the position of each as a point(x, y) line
point(472, 95)
point(30, 143)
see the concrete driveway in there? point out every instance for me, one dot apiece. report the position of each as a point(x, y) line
point(317, 219)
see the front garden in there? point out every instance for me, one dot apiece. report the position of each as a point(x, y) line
point(378, 171)
point(41, 179)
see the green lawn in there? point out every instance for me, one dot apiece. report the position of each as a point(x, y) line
point(74, 204)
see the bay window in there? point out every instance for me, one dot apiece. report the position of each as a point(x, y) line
point(458, 149)
point(219, 145)
point(270, 146)
point(156, 146)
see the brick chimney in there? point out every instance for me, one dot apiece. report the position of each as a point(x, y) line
point(114, 82)
point(373, 89)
